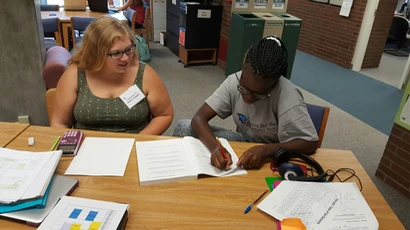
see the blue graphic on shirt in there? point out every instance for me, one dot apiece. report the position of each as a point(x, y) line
point(244, 119)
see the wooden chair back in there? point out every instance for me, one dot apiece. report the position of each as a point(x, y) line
point(145, 31)
point(50, 100)
point(319, 116)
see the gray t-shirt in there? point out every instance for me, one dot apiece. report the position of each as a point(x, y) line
point(281, 118)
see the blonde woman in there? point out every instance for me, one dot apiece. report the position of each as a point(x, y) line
point(106, 88)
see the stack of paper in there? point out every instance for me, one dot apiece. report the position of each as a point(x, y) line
point(99, 156)
point(320, 205)
point(25, 175)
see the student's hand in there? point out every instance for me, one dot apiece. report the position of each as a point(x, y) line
point(218, 160)
point(254, 157)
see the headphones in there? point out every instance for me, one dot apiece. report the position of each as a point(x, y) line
point(291, 171)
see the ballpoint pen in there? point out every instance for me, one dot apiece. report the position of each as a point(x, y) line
point(251, 205)
point(55, 143)
point(221, 148)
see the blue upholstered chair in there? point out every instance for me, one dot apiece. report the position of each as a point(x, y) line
point(44, 7)
point(78, 26)
point(319, 116)
point(51, 29)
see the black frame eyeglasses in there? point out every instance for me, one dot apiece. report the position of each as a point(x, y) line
point(244, 91)
point(119, 54)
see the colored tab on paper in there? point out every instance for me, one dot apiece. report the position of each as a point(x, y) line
point(270, 181)
point(94, 226)
point(292, 224)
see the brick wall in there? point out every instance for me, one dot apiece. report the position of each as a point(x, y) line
point(223, 42)
point(380, 31)
point(394, 167)
point(325, 33)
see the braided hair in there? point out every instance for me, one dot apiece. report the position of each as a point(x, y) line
point(268, 58)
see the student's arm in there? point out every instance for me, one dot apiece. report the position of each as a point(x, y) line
point(66, 96)
point(295, 131)
point(126, 5)
point(200, 125)
point(159, 103)
point(256, 156)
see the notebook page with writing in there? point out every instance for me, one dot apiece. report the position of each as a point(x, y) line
point(163, 161)
point(201, 158)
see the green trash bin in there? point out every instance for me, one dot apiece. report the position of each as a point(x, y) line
point(290, 36)
point(245, 30)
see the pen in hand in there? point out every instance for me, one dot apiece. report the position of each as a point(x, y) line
point(251, 205)
point(221, 148)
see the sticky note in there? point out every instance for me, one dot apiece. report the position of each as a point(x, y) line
point(292, 224)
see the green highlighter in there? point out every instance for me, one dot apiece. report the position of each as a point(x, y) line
point(271, 180)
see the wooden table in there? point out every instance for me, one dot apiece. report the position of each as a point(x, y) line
point(206, 203)
point(65, 22)
point(10, 130)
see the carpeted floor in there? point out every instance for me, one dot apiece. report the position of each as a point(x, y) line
point(373, 102)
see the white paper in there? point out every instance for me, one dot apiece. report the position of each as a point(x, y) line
point(204, 13)
point(101, 157)
point(278, 4)
point(42, 180)
point(179, 159)
point(200, 154)
point(345, 9)
point(242, 4)
point(132, 96)
point(260, 4)
point(321, 205)
point(163, 161)
point(18, 172)
point(80, 213)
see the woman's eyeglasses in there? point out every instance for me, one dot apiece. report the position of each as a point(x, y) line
point(118, 55)
point(244, 91)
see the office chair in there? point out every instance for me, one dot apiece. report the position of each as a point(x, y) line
point(49, 7)
point(51, 28)
point(319, 116)
point(78, 26)
point(50, 99)
point(398, 32)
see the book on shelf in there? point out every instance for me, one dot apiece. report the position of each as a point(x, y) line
point(81, 213)
point(25, 175)
point(180, 159)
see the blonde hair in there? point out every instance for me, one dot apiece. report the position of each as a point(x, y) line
point(98, 39)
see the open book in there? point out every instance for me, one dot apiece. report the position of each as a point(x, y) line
point(181, 159)
point(25, 175)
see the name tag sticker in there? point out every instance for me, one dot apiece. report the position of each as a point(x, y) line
point(132, 96)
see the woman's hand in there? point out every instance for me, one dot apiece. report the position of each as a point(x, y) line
point(254, 157)
point(218, 160)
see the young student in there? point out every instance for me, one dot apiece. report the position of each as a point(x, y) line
point(138, 6)
point(266, 108)
point(106, 88)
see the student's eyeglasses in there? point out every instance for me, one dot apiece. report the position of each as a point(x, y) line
point(244, 91)
point(118, 54)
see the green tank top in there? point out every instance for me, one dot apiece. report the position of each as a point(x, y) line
point(109, 114)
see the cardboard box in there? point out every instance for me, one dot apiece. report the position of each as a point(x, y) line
point(162, 37)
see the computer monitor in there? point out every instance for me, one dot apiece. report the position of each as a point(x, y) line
point(98, 5)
